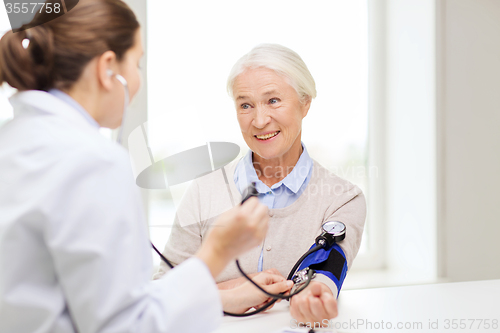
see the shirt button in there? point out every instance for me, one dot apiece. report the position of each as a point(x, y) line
point(268, 248)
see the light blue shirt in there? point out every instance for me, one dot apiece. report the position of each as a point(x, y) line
point(74, 104)
point(281, 194)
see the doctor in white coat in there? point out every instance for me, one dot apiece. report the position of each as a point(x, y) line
point(74, 249)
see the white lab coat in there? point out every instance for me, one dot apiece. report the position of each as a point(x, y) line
point(74, 249)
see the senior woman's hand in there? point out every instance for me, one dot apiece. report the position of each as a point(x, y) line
point(314, 304)
point(247, 296)
point(230, 284)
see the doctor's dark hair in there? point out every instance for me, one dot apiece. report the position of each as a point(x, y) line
point(59, 50)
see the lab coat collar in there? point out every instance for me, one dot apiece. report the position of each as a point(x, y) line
point(36, 100)
point(75, 105)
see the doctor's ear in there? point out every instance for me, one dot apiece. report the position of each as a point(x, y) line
point(105, 73)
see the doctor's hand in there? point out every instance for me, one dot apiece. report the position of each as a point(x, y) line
point(314, 304)
point(247, 296)
point(233, 233)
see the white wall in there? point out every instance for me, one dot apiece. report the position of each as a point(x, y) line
point(402, 143)
point(469, 138)
point(137, 111)
point(435, 101)
point(409, 129)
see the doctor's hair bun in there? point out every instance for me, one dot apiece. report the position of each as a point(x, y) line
point(26, 59)
point(55, 54)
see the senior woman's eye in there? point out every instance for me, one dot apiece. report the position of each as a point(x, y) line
point(245, 106)
point(273, 100)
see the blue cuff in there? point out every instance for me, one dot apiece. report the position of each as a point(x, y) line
point(330, 262)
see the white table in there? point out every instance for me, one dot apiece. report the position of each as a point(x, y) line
point(447, 307)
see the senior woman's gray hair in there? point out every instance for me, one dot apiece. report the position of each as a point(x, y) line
point(283, 61)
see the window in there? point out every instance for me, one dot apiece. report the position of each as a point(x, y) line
point(191, 49)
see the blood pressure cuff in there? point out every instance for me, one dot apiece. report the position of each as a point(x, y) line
point(330, 262)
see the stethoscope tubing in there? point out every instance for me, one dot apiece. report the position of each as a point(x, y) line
point(126, 101)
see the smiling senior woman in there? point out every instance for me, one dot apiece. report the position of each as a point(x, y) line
point(272, 89)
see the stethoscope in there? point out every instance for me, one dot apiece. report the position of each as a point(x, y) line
point(331, 233)
point(122, 80)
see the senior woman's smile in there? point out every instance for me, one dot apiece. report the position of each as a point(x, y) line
point(267, 136)
point(270, 113)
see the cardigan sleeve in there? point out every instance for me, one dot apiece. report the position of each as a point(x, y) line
point(352, 212)
point(186, 236)
point(350, 209)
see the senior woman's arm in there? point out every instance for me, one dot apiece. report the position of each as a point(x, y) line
point(318, 301)
point(351, 210)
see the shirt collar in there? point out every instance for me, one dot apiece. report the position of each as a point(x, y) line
point(293, 181)
point(297, 177)
point(247, 174)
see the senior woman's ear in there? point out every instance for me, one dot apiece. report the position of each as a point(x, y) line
point(306, 104)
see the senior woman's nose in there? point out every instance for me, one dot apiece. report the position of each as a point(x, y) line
point(261, 118)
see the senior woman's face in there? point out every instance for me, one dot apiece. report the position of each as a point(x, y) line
point(269, 112)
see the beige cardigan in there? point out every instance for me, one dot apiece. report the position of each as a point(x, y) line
point(292, 230)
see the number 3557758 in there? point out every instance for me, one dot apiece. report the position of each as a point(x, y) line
point(32, 7)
